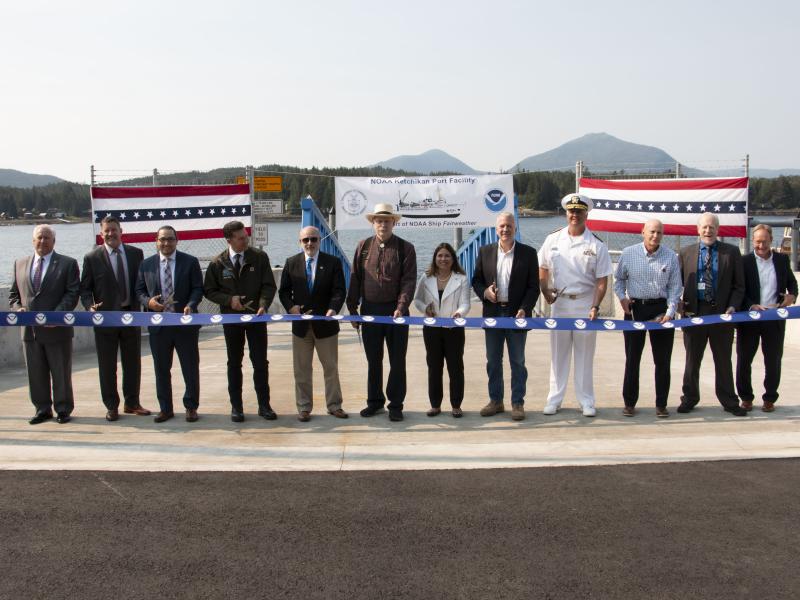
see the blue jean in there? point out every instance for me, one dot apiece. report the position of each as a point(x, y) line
point(515, 340)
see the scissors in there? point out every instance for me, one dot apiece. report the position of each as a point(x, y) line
point(247, 305)
point(558, 293)
point(169, 300)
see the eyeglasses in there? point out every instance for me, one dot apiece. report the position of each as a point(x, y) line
point(309, 240)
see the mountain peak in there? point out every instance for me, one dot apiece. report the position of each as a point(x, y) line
point(430, 161)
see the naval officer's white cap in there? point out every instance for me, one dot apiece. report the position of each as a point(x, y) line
point(579, 201)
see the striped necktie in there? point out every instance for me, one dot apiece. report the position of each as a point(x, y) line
point(169, 289)
point(37, 274)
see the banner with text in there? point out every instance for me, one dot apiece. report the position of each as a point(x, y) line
point(425, 201)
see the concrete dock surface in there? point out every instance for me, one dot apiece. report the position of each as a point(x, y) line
point(325, 443)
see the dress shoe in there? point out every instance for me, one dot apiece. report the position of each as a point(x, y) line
point(40, 417)
point(685, 408)
point(63, 417)
point(768, 406)
point(747, 405)
point(662, 412)
point(492, 409)
point(304, 416)
point(433, 411)
point(517, 412)
point(163, 416)
point(589, 411)
point(395, 414)
point(136, 410)
point(371, 411)
point(191, 415)
point(237, 416)
point(267, 413)
point(457, 412)
point(628, 411)
point(736, 411)
point(550, 409)
point(338, 413)
point(112, 415)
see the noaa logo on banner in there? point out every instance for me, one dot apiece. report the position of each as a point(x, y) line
point(639, 325)
point(156, 319)
point(609, 325)
point(489, 322)
point(354, 202)
point(216, 318)
point(521, 323)
point(580, 324)
point(127, 318)
point(97, 318)
point(460, 322)
point(304, 317)
point(429, 321)
point(783, 313)
point(754, 314)
point(399, 320)
point(245, 318)
point(11, 319)
point(551, 323)
point(368, 318)
point(41, 318)
point(338, 317)
point(668, 324)
point(69, 318)
point(186, 319)
point(495, 200)
point(276, 317)
point(726, 317)
point(697, 320)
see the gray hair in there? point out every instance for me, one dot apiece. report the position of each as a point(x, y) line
point(714, 218)
point(762, 227)
point(505, 214)
point(44, 227)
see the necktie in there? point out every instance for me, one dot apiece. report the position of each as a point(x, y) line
point(168, 286)
point(309, 274)
point(708, 275)
point(121, 284)
point(237, 263)
point(37, 274)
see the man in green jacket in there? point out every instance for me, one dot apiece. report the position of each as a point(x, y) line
point(240, 280)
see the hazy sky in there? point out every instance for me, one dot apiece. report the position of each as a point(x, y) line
point(196, 85)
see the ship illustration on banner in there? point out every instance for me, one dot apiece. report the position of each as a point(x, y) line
point(427, 207)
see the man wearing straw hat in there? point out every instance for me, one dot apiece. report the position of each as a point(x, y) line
point(382, 283)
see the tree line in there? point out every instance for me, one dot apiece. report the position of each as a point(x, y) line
point(535, 190)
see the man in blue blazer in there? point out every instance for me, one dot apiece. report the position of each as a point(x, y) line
point(768, 283)
point(171, 281)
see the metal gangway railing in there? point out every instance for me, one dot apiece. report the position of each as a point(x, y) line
point(312, 217)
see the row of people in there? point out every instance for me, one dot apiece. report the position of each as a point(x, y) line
point(651, 282)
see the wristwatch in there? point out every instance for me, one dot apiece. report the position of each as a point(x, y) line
point(596, 307)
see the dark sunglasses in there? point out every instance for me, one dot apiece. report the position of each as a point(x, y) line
point(309, 240)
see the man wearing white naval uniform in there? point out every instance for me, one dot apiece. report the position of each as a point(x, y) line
point(578, 264)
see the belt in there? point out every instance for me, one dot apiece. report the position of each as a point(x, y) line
point(572, 296)
point(648, 301)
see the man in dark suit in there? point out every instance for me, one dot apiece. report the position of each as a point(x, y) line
point(769, 283)
point(171, 281)
point(43, 282)
point(506, 279)
point(312, 282)
point(240, 280)
point(108, 278)
point(713, 283)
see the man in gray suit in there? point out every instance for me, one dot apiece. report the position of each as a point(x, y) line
point(108, 278)
point(47, 281)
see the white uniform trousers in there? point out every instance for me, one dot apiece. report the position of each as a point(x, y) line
point(563, 345)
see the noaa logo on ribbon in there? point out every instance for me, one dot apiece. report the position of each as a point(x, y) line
point(580, 324)
point(521, 323)
point(668, 324)
point(726, 317)
point(783, 313)
point(41, 318)
point(338, 317)
point(97, 318)
point(276, 317)
point(489, 322)
point(639, 325)
point(551, 323)
point(429, 321)
point(11, 319)
point(245, 318)
point(399, 320)
point(368, 318)
point(186, 319)
point(460, 322)
point(216, 318)
point(127, 318)
point(754, 314)
point(354, 202)
point(156, 319)
point(69, 318)
point(304, 317)
point(495, 200)
point(609, 325)
point(697, 320)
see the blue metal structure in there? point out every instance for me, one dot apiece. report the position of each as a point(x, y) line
point(312, 217)
point(468, 251)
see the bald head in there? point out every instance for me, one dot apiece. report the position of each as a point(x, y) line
point(309, 240)
point(652, 233)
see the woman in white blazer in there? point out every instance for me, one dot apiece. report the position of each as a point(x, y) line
point(444, 292)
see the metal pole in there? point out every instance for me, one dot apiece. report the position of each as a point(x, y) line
point(332, 218)
point(747, 165)
point(747, 235)
point(795, 235)
point(155, 177)
point(578, 175)
point(677, 170)
point(91, 174)
point(458, 237)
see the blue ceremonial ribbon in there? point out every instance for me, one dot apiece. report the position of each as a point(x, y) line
point(151, 319)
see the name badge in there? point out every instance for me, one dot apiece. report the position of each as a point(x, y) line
point(701, 286)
